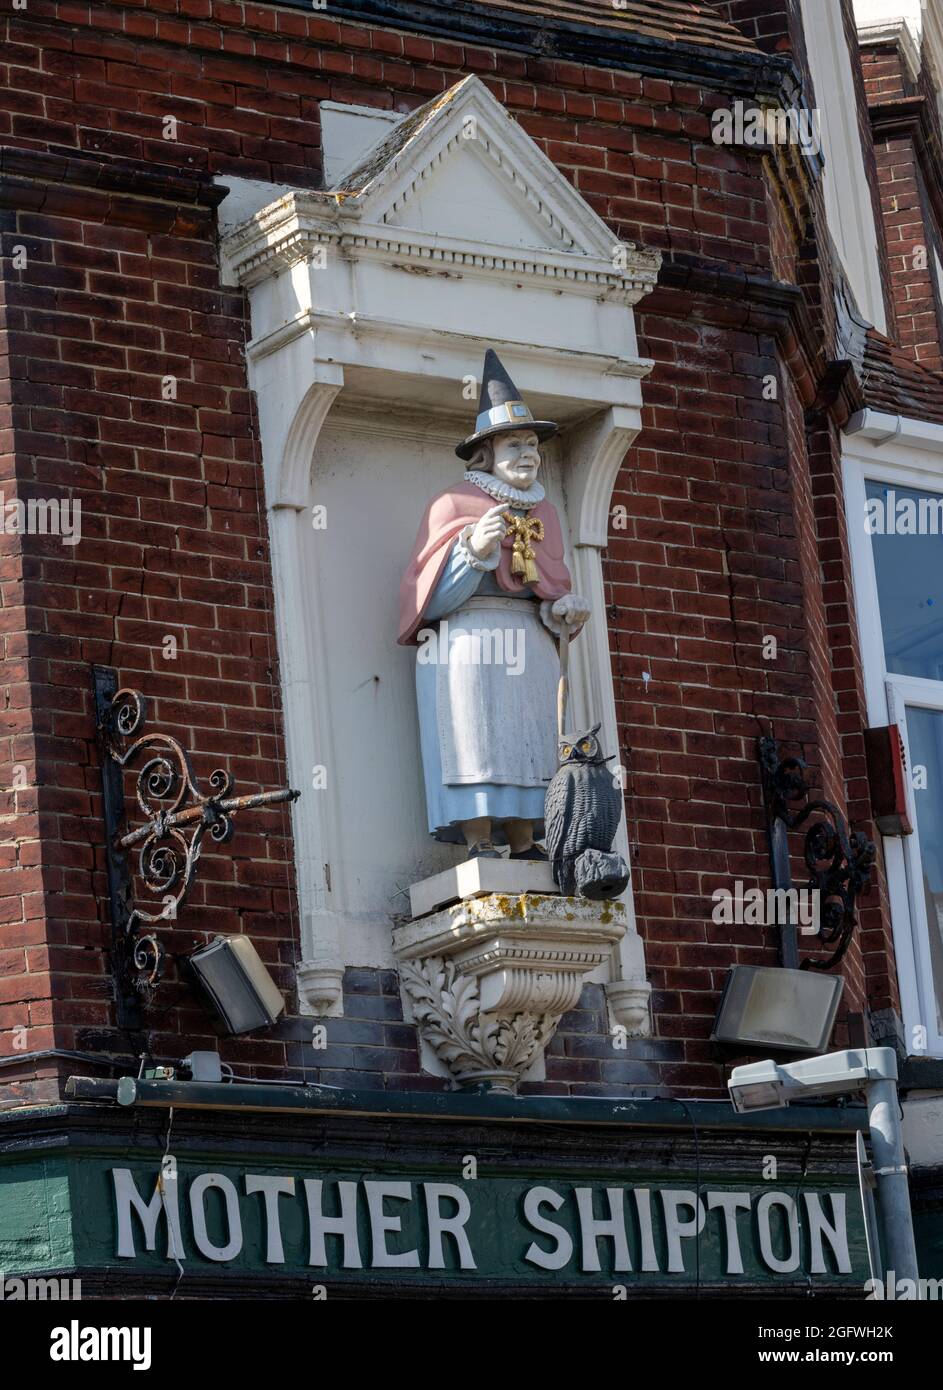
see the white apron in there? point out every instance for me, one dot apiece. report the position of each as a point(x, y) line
point(496, 694)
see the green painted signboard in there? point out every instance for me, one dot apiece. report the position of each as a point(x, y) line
point(260, 1214)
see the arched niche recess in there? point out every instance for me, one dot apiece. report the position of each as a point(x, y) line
point(372, 304)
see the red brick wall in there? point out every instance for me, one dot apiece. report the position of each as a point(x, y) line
point(173, 544)
point(722, 547)
point(25, 1002)
point(907, 145)
point(706, 569)
point(773, 25)
point(870, 971)
point(910, 243)
point(884, 73)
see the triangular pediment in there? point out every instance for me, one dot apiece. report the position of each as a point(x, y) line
point(458, 183)
point(466, 195)
point(462, 168)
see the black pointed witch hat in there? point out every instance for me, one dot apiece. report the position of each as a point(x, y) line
point(501, 409)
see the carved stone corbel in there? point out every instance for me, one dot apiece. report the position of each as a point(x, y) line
point(320, 989)
point(630, 1003)
point(489, 978)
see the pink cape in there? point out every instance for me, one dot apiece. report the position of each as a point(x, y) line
point(446, 516)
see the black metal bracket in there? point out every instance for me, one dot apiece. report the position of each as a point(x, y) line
point(839, 861)
point(178, 816)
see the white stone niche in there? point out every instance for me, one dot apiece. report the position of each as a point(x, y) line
point(372, 305)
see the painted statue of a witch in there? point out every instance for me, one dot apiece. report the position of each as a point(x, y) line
point(484, 598)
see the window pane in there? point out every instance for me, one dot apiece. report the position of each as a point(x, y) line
point(906, 528)
point(925, 736)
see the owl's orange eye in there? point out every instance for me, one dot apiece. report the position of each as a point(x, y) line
point(586, 745)
point(566, 750)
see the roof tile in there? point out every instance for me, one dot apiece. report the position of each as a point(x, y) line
point(894, 383)
point(670, 21)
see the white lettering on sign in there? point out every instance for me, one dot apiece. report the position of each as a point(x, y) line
point(453, 1226)
point(593, 1228)
point(730, 1203)
point(376, 1224)
point(546, 1259)
point(344, 1225)
point(271, 1189)
point(834, 1231)
point(764, 1208)
point(128, 1199)
point(383, 1224)
point(198, 1188)
point(677, 1230)
point(643, 1204)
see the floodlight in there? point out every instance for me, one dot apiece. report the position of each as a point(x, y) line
point(771, 1006)
point(233, 975)
point(771, 1085)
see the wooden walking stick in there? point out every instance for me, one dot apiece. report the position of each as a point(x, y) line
point(563, 689)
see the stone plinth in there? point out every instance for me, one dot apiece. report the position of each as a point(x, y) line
point(476, 878)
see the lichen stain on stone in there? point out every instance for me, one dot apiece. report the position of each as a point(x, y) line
point(392, 145)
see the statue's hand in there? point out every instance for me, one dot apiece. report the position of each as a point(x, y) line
point(487, 533)
point(571, 609)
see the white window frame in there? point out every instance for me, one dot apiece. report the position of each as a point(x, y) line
point(909, 454)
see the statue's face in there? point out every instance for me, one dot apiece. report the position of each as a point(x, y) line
point(516, 457)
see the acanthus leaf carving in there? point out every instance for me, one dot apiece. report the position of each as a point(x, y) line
point(475, 1046)
point(490, 977)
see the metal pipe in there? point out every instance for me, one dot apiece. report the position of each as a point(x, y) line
point(92, 1059)
point(890, 1169)
point(650, 1113)
point(207, 810)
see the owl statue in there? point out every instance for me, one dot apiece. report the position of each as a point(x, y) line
point(582, 813)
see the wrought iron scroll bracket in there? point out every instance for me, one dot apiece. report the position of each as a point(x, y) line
point(839, 861)
point(177, 817)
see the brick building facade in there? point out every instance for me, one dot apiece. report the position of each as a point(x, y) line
point(127, 390)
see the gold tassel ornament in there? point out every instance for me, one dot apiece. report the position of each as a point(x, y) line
point(526, 532)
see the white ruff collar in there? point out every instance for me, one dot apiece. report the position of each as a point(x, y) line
point(505, 492)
